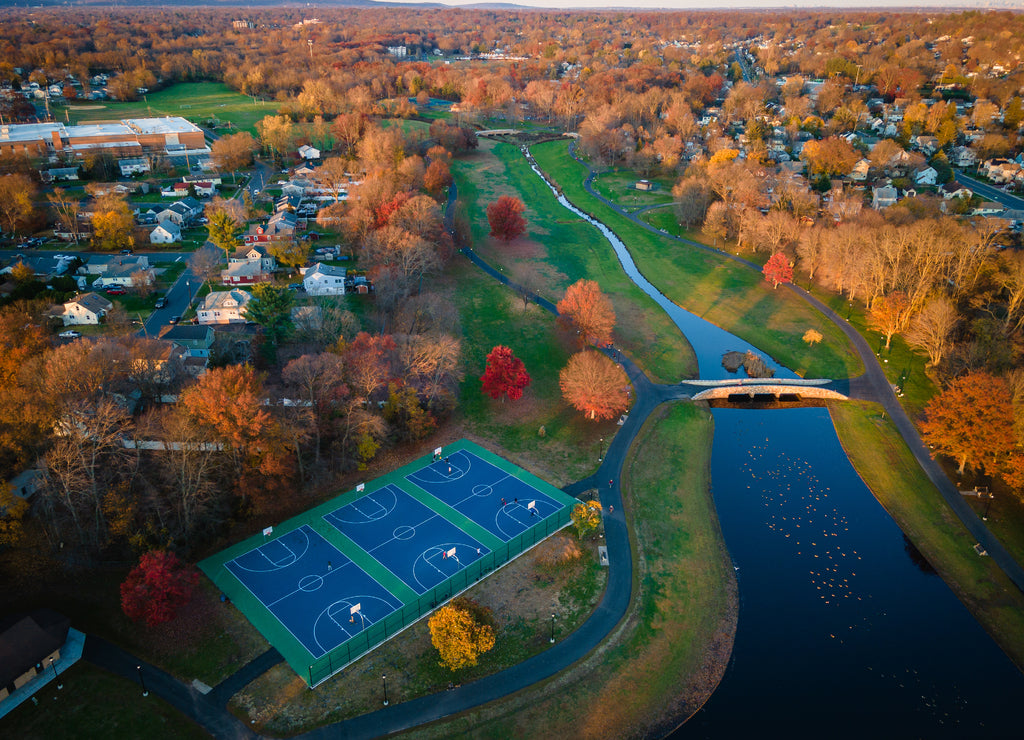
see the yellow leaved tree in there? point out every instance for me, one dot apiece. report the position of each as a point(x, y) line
point(586, 516)
point(461, 630)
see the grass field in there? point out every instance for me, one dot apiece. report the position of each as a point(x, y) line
point(670, 651)
point(196, 101)
point(729, 295)
point(96, 704)
point(558, 250)
point(897, 481)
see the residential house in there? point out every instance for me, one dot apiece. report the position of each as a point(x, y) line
point(88, 308)
point(859, 173)
point(962, 156)
point(955, 190)
point(195, 340)
point(182, 213)
point(133, 166)
point(255, 253)
point(324, 279)
point(883, 197)
point(60, 173)
point(224, 307)
point(308, 152)
point(166, 232)
point(121, 270)
point(29, 644)
point(927, 144)
point(288, 203)
point(25, 484)
point(244, 273)
point(205, 188)
point(988, 208)
point(281, 225)
point(927, 176)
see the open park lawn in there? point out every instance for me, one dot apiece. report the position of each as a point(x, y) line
point(897, 481)
point(672, 648)
point(97, 704)
point(196, 101)
point(559, 249)
point(558, 576)
point(730, 295)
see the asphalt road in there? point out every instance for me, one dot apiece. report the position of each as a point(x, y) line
point(989, 192)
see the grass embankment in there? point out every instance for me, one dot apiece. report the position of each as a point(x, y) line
point(619, 186)
point(558, 250)
point(725, 293)
point(94, 703)
point(893, 475)
point(196, 101)
point(670, 651)
point(558, 576)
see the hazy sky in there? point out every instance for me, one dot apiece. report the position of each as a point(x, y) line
point(737, 4)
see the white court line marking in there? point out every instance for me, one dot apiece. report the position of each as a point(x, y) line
point(259, 549)
point(493, 485)
point(347, 603)
point(394, 539)
point(335, 516)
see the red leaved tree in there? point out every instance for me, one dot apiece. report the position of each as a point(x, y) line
point(778, 270)
point(505, 375)
point(157, 587)
point(589, 310)
point(595, 385)
point(972, 421)
point(505, 215)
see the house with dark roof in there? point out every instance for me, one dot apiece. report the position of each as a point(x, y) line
point(88, 308)
point(28, 643)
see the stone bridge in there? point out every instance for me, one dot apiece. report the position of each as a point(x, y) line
point(755, 389)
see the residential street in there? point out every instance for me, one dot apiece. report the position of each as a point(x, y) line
point(989, 192)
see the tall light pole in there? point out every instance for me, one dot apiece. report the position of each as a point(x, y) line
point(57, 677)
point(384, 678)
point(142, 681)
point(552, 629)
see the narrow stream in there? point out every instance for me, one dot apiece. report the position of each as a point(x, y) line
point(844, 630)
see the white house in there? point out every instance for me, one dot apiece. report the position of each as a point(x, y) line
point(177, 213)
point(883, 197)
point(88, 308)
point(859, 173)
point(121, 271)
point(224, 307)
point(308, 152)
point(255, 253)
point(134, 166)
point(927, 176)
point(321, 279)
point(166, 232)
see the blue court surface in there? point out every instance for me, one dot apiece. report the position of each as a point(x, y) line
point(299, 577)
point(337, 580)
point(407, 538)
point(494, 499)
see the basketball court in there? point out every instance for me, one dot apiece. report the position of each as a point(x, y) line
point(335, 581)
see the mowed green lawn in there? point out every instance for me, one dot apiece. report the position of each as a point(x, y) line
point(196, 101)
point(727, 294)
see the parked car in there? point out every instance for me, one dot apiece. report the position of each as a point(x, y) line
point(126, 251)
point(115, 290)
point(174, 320)
point(70, 334)
point(161, 302)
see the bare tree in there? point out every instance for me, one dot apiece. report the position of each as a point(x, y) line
point(932, 328)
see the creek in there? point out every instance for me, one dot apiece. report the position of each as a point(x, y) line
point(843, 628)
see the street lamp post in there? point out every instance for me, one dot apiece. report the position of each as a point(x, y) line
point(552, 628)
point(384, 678)
point(600, 450)
point(984, 516)
point(56, 677)
point(142, 681)
point(188, 285)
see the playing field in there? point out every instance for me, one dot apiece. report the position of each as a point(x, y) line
point(332, 583)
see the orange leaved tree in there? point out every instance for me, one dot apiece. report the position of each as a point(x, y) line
point(461, 631)
point(589, 310)
point(595, 385)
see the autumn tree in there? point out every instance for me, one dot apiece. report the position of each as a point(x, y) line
point(17, 191)
point(586, 517)
point(505, 375)
point(66, 207)
point(972, 422)
point(889, 315)
point(437, 177)
point(369, 363)
point(505, 216)
point(13, 510)
point(157, 587)
point(233, 152)
point(595, 385)
point(205, 263)
point(319, 381)
point(778, 270)
point(585, 307)
point(812, 337)
point(831, 156)
point(223, 231)
point(276, 134)
point(931, 329)
point(112, 223)
point(693, 196)
point(461, 631)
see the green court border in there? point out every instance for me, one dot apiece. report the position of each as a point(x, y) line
point(414, 607)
